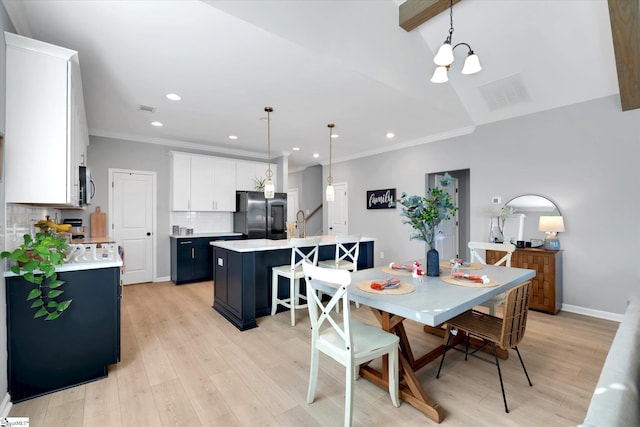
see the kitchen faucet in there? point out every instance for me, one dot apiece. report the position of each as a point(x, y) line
point(304, 223)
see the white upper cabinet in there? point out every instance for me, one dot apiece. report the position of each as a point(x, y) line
point(46, 127)
point(202, 183)
point(247, 172)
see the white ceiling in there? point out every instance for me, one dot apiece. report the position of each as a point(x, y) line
point(316, 62)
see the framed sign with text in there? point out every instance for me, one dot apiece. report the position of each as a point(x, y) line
point(381, 199)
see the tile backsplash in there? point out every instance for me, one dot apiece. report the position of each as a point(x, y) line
point(21, 220)
point(202, 222)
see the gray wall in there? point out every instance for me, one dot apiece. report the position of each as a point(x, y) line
point(583, 157)
point(5, 25)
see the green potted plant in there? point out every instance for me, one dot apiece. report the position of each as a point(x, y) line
point(424, 214)
point(259, 183)
point(36, 260)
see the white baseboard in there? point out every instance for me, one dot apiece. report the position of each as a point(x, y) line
point(593, 313)
point(6, 405)
point(163, 279)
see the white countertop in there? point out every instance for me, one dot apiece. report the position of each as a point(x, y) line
point(255, 245)
point(212, 234)
point(81, 265)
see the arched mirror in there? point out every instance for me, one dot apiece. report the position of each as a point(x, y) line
point(524, 213)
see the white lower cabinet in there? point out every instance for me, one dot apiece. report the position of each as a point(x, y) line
point(202, 183)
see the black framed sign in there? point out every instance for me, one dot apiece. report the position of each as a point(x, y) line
point(381, 199)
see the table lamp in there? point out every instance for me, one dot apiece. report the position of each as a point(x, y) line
point(552, 225)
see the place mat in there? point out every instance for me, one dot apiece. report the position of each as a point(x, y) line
point(403, 288)
point(469, 283)
point(472, 266)
point(390, 270)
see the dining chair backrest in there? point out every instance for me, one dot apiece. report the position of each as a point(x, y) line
point(502, 247)
point(347, 251)
point(304, 249)
point(320, 312)
point(514, 319)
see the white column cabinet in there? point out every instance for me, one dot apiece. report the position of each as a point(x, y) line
point(202, 183)
point(46, 130)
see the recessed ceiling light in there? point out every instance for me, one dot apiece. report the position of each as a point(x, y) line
point(174, 96)
point(158, 124)
point(390, 135)
point(233, 137)
point(316, 155)
point(296, 148)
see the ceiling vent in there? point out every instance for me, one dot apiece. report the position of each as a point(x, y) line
point(505, 92)
point(147, 108)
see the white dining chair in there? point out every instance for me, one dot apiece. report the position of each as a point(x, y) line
point(346, 255)
point(347, 341)
point(508, 248)
point(303, 249)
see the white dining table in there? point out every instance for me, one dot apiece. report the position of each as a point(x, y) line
point(432, 303)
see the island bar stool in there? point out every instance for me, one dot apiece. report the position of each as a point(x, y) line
point(496, 301)
point(347, 341)
point(346, 255)
point(303, 249)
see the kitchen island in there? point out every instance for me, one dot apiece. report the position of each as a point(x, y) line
point(242, 274)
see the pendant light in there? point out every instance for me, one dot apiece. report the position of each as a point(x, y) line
point(444, 58)
point(269, 189)
point(330, 193)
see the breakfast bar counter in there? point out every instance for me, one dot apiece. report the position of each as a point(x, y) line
point(242, 274)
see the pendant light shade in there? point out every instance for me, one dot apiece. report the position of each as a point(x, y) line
point(445, 54)
point(269, 188)
point(440, 75)
point(330, 194)
point(471, 64)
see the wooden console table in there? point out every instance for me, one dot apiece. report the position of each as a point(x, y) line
point(546, 289)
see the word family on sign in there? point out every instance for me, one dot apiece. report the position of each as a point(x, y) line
point(381, 199)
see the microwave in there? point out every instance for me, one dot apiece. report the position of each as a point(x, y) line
point(87, 188)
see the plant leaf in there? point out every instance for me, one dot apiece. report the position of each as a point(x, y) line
point(35, 293)
point(64, 305)
point(53, 294)
point(52, 304)
point(52, 316)
point(55, 283)
point(42, 312)
point(37, 303)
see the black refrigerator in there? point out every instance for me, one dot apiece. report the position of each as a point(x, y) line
point(259, 218)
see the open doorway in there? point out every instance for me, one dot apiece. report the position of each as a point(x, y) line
point(459, 226)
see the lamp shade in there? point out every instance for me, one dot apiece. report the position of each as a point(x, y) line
point(471, 64)
point(269, 189)
point(444, 55)
point(551, 224)
point(440, 75)
point(330, 193)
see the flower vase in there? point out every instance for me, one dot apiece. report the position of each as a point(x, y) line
point(433, 263)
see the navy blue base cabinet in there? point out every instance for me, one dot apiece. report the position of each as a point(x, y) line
point(191, 258)
point(242, 280)
point(47, 356)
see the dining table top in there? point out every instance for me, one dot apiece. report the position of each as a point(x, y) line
point(433, 301)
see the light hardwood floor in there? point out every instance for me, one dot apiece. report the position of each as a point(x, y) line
point(184, 365)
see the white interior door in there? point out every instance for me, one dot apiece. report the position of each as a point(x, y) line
point(448, 247)
point(132, 197)
point(337, 213)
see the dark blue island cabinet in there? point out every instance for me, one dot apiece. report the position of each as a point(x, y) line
point(47, 356)
point(242, 278)
point(191, 258)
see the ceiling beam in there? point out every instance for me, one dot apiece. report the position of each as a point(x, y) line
point(625, 29)
point(413, 13)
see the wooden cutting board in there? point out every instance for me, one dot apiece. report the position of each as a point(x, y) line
point(98, 223)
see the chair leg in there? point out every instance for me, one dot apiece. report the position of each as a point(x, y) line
point(274, 293)
point(348, 396)
point(522, 363)
point(313, 374)
point(466, 347)
point(446, 347)
point(504, 396)
point(293, 299)
point(393, 377)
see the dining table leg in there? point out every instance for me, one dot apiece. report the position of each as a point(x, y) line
point(411, 390)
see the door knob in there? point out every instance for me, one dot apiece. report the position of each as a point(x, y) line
point(148, 234)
